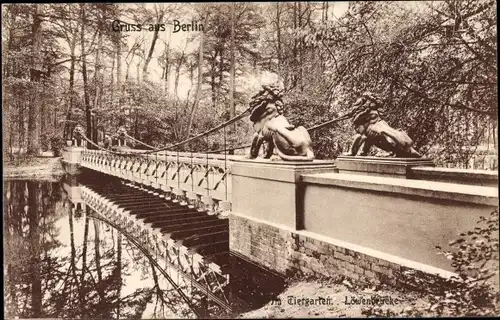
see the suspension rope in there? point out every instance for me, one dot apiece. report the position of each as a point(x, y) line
point(326, 123)
point(173, 146)
point(94, 144)
point(138, 141)
point(166, 176)
point(203, 134)
point(206, 133)
point(311, 129)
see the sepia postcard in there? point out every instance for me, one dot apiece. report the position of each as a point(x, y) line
point(168, 160)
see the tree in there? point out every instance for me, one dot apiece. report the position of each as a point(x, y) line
point(35, 77)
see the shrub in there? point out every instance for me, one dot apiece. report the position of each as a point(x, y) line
point(57, 144)
point(475, 291)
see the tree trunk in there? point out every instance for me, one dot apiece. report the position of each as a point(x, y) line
point(67, 124)
point(119, 73)
point(167, 69)
point(11, 124)
point(232, 107)
point(36, 281)
point(177, 74)
point(212, 84)
point(278, 37)
point(34, 106)
point(294, 64)
point(138, 75)
point(300, 53)
point(43, 136)
point(136, 125)
point(198, 86)
point(88, 111)
point(97, 77)
point(112, 83)
point(221, 73)
point(21, 129)
point(7, 133)
point(145, 72)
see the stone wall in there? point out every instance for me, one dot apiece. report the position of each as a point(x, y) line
point(308, 218)
point(289, 252)
point(403, 217)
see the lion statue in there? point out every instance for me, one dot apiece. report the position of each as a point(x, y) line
point(78, 134)
point(272, 128)
point(373, 131)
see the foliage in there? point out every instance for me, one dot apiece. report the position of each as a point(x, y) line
point(309, 112)
point(57, 145)
point(432, 63)
point(476, 260)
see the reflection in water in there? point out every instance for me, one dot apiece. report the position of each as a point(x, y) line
point(61, 263)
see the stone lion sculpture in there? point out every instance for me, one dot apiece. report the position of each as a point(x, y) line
point(373, 131)
point(78, 134)
point(271, 127)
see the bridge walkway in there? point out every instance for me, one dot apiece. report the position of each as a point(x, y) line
point(207, 235)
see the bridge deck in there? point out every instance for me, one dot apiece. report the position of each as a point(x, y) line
point(205, 234)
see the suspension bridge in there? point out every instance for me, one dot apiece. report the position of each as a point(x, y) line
point(195, 210)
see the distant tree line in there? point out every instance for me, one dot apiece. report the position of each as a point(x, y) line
point(432, 63)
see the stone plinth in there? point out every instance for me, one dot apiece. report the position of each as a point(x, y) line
point(72, 155)
point(71, 159)
point(271, 190)
point(380, 166)
point(486, 178)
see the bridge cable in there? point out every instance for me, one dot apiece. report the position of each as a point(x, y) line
point(150, 258)
point(201, 135)
point(156, 169)
point(223, 125)
point(138, 141)
point(192, 272)
point(311, 129)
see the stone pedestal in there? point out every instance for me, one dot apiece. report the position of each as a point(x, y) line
point(72, 155)
point(271, 190)
point(71, 159)
point(381, 166)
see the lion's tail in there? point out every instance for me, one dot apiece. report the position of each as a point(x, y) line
point(308, 157)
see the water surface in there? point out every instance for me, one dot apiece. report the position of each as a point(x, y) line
point(59, 262)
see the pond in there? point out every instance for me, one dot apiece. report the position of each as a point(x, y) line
point(59, 263)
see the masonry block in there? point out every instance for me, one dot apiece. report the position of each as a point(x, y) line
point(381, 269)
point(370, 274)
point(358, 270)
point(340, 249)
point(364, 264)
point(344, 257)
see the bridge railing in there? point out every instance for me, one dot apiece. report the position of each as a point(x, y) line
point(202, 180)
